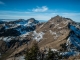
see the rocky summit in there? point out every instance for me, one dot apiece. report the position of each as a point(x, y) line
point(59, 34)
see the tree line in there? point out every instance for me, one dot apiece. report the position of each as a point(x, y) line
point(35, 54)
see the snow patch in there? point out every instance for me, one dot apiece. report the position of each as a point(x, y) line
point(15, 26)
point(22, 22)
point(76, 30)
point(37, 36)
point(53, 49)
point(24, 35)
point(56, 37)
point(20, 30)
point(70, 53)
point(28, 24)
point(20, 58)
point(68, 41)
point(59, 27)
point(57, 24)
point(73, 42)
point(7, 39)
point(53, 33)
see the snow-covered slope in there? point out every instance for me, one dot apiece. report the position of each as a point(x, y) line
point(73, 42)
point(20, 28)
point(74, 37)
point(15, 34)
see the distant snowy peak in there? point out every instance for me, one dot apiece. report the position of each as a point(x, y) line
point(27, 25)
point(18, 27)
point(22, 21)
point(1, 22)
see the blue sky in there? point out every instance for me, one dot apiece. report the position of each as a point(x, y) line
point(39, 9)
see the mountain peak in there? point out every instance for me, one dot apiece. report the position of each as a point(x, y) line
point(57, 16)
point(31, 19)
point(59, 19)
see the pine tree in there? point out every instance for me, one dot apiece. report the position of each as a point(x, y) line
point(32, 54)
point(50, 55)
point(63, 46)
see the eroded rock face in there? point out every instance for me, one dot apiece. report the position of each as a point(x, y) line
point(55, 32)
point(3, 47)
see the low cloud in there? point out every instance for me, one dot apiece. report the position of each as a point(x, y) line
point(39, 15)
point(40, 9)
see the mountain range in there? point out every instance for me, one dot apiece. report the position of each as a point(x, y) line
point(16, 36)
